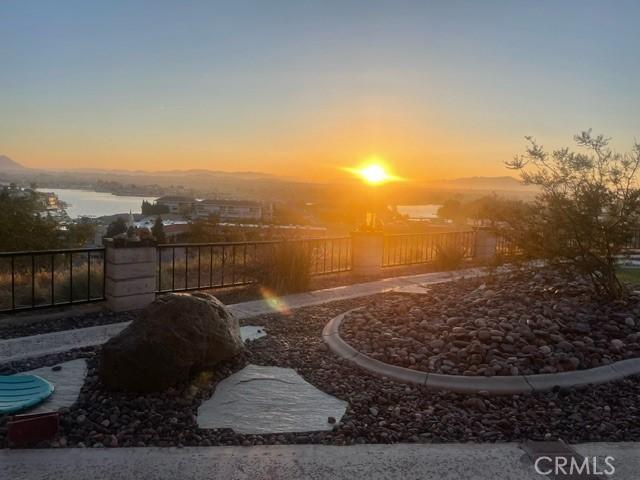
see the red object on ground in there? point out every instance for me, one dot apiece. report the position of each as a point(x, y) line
point(29, 429)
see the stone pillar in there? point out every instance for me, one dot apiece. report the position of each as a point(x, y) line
point(130, 281)
point(366, 253)
point(486, 243)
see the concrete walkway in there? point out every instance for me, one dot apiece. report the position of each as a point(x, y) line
point(372, 462)
point(55, 342)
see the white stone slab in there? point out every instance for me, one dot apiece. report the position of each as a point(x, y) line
point(252, 332)
point(418, 289)
point(258, 400)
point(67, 384)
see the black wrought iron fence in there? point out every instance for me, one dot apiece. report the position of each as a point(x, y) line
point(634, 242)
point(506, 246)
point(415, 248)
point(200, 266)
point(46, 278)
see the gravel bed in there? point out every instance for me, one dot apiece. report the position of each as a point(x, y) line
point(525, 322)
point(379, 411)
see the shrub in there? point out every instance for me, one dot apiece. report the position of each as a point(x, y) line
point(42, 284)
point(286, 268)
point(449, 256)
point(587, 208)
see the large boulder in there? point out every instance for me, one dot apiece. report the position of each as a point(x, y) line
point(175, 336)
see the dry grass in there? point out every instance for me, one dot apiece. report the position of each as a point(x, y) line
point(36, 289)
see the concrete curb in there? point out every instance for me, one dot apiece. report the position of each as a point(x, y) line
point(498, 385)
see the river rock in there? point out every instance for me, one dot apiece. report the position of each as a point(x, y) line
point(175, 336)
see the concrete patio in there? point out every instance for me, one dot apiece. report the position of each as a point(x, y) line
point(401, 461)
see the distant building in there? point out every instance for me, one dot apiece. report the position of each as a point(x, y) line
point(45, 201)
point(176, 203)
point(48, 200)
point(237, 210)
point(175, 227)
point(176, 232)
point(230, 209)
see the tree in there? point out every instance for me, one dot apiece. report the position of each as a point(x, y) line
point(79, 234)
point(149, 208)
point(201, 231)
point(587, 208)
point(116, 227)
point(158, 231)
point(451, 209)
point(23, 227)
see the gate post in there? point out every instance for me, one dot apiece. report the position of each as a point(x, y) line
point(366, 253)
point(130, 278)
point(486, 243)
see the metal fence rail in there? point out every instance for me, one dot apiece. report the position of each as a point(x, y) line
point(415, 248)
point(200, 266)
point(46, 278)
point(506, 246)
point(634, 242)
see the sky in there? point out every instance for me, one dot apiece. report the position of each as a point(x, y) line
point(438, 89)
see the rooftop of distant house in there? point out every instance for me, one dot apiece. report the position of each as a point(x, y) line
point(175, 198)
point(206, 201)
point(236, 203)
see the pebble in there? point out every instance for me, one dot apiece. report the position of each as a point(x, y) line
point(519, 325)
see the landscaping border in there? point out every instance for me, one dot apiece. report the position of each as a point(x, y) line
point(497, 385)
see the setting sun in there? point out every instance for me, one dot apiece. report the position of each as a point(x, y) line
point(374, 174)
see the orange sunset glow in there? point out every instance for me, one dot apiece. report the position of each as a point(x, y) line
point(305, 93)
point(353, 239)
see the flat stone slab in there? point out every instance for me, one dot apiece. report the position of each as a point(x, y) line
point(252, 332)
point(67, 384)
point(415, 289)
point(260, 399)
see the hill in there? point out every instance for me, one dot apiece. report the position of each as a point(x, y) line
point(504, 183)
point(7, 163)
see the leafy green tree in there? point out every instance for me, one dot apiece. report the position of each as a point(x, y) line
point(116, 227)
point(22, 226)
point(451, 209)
point(149, 208)
point(201, 231)
point(587, 208)
point(79, 234)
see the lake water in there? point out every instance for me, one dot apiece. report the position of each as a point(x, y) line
point(87, 203)
point(419, 211)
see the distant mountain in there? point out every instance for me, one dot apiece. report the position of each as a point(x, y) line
point(504, 183)
point(7, 164)
point(176, 173)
